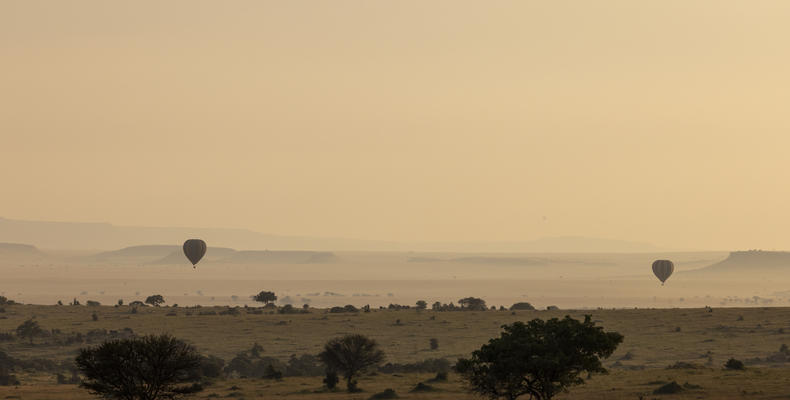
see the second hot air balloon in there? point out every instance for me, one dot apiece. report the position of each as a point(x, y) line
point(663, 269)
point(194, 249)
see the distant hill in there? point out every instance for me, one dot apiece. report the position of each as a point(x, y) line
point(17, 249)
point(173, 255)
point(104, 236)
point(212, 254)
point(490, 260)
point(279, 257)
point(750, 261)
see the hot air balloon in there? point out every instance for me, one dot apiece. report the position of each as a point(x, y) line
point(194, 249)
point(663, 270)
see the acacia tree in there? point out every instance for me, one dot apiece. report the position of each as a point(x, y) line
point(538, 359)
point(265, 297)
point(155, 300)
point(29, 329)
point(350, 355)
point(472, 304)
point(145, 368)
point(421, 304)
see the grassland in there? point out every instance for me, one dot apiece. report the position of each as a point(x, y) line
point(654, 339)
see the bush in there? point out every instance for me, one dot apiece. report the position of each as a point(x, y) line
point(92, 303)
point(63, 380)
point(211, 366)
point(345, 309)
point(304, 365)
point(95, 316)
point(734, 364)
point(434, 343)
point(272, 373)
point(331, 380)
point(440, 377)
point(522, 306)
point(429, 365)
point(162, 364)
point(423, 387)
point(669, 388)
point(7, 379)
point(684, 365)
point(386, 394)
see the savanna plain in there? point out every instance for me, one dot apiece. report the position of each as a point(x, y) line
point(715, 308)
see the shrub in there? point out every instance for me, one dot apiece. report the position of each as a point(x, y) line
point(162, 364)
point(734, 364)
point(345, 309)
point(272, 373)
point(211, 366)
point(386, 394)
point(92, 303)
point(63, 380)
point(7, 379)
point(441, 376)
point(331, 379)
point(669, 388)
point(434, 343)
point(427, 365)
point(304, 365)
point(95, 316)
point(423, 387)
point(522, 306)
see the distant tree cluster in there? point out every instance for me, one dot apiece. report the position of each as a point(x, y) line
point(345, 309)
point(465, 304)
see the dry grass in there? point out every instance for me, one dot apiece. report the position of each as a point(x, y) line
point(651, 338)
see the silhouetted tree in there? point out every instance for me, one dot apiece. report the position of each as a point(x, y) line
point(145, 368)
point(421, 305)
point(539, 359)
point(522, 306)
point(29, 329)
point(265, 297)
point(155, 300)
point(350, 355)
point(472, 304)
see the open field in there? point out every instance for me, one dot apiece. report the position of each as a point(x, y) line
point(654, 339)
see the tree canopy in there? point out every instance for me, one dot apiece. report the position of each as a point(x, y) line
point(29, 329)
point(350, 355)
point(265, 297)
point(538, 359)
point(155, 300)
point(146, 368)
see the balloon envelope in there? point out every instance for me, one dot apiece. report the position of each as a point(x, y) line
point(194, 249)
point(663, 269)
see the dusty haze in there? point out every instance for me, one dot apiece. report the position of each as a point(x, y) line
point(663, 122)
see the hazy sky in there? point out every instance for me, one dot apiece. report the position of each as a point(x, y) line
point(662, 121)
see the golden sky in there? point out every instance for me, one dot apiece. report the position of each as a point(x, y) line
point(660, 121)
